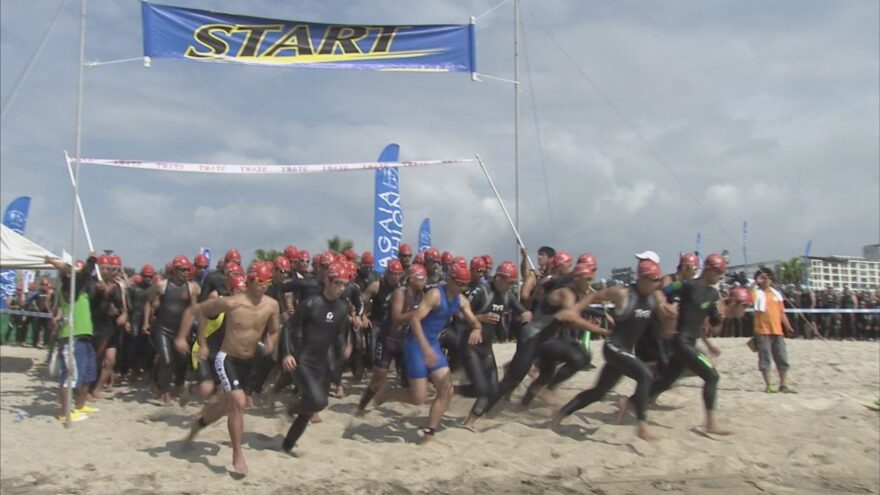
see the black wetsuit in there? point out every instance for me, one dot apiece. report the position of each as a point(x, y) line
point(449, 338)
point(529, 341)
point(363, 280)
point(563, 346)
point(697, 302)
point(321, 322)
point(214, 281)
point(652, 347)
point(357, 358)
point(632, 321)
point(172, 304)
point(102, 305)
point(478, 360)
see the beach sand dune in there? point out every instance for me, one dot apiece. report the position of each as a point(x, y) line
point(825, 439)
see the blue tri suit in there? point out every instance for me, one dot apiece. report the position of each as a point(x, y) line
point(432, 325)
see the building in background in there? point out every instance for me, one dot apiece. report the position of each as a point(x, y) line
point(839, 272)
point(871, 252)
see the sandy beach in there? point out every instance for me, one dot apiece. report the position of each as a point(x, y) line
point(825, 439)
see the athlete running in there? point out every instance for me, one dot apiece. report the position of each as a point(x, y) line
point(699, 300)
point(319, 320)
point(173, 295)
point(391, 309)
point(245, 316)
point(652, 347)
point(424, 358)
point(634, 307)
point(492, 305)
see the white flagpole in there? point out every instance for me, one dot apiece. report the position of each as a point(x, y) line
point(71, 363)
point(504, 208)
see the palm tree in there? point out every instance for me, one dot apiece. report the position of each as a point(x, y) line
point(791, 271)
point(339, 245)
point(266, 254)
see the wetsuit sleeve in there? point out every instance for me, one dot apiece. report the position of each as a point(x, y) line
point(514, 303)
point(675, 288)
point(478, 300)
point(714, 316)
point(295, 324)
point(292, 285)
point(356, 300)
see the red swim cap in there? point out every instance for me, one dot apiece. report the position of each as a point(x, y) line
point(115, 260)
point(488, 259)
point(260, 271)
point(282, 264)
point(232, 267)
point(303, 255)
point(201, 261)
point(290, 252)
point(418, 271)
point(237, 282)
point(478, 263)
point(689, 259)
point(367, 258)
point(148, 271)
point(326, 259)
point(338, 271)
point(233, 255)
point(179, 261)
point(404, 249)
point(741, 295)
point(584, 270)
point(420, 259)
point(715, 262)
point(432, 254)
point(507, 271)
point(561, 258)
point(460, 274)
point(649, 269)
point(395, 266)
point(350, 255)
point(446, 257)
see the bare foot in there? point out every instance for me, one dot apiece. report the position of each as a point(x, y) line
point(381, 396)
point(360, 413)
point(340, 392)
point(194, 430)
point(427, 440)
point(715, 430)
point(643, 432)
point(558, 416)
point(239, 465)
point(315, 419)
point(646, 435)
point(470, 423)
point(549, 397)
point(249, 402)
point(624, 405)
point(166, 399)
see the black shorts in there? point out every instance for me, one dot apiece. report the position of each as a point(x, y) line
point(107, 337)
point(233, 372)
point(386, 349)
point(205, 372)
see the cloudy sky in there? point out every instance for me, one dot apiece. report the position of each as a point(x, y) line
point(645, 122)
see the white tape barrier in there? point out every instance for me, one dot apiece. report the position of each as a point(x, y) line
point(213, 168)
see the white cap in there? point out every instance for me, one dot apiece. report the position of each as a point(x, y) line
point(649, 255)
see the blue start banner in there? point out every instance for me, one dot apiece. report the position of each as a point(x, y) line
point(425, 235)
point(388, 212)
point(15, 218)
point(179, 33)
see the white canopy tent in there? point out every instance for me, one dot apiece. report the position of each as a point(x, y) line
point(19, 252)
